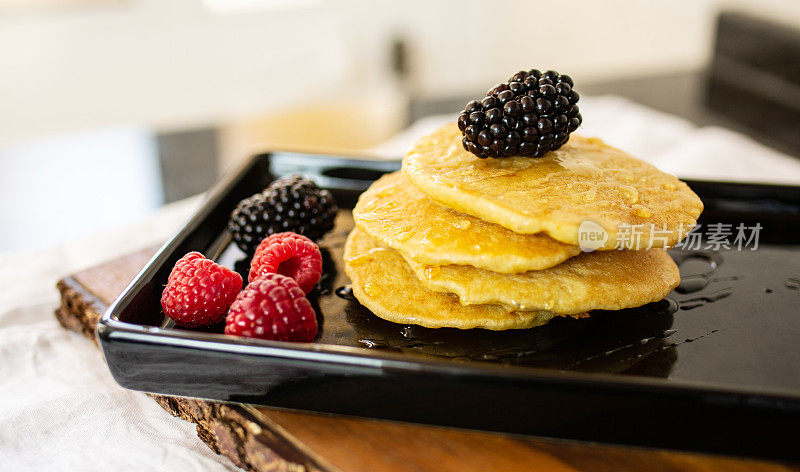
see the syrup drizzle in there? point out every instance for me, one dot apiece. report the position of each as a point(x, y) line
point(345, 292)
point(641, 342)
point(691, 284)
point(697, 302)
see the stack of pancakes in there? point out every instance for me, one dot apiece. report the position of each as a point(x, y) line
point(457, 241)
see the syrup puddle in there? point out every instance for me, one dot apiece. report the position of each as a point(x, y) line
point(696, 269)
point(697, 302)
point(691, 284)
point(409, 332)
point(666, 306)
point(698, 264)
point(394, 345)
point(695, 283)
point(691, 340)
point(644, 341)
point(345, 292)
point(639, 343)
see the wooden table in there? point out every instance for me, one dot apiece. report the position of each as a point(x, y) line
point(266, 439)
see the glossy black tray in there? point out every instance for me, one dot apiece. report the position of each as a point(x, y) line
point(715, 367)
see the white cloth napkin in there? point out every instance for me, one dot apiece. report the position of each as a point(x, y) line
point(60, 407)
point(61, 410)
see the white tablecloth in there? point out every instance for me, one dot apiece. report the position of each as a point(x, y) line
point(60, 407)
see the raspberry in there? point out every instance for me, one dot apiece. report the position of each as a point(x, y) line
point(288, 204)
point(272, 307)
point(288, 254)
point(199, 291)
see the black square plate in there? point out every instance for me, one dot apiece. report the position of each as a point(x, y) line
point(715, 367)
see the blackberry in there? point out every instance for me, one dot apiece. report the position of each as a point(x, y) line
point(288, 204)
point(531, 114)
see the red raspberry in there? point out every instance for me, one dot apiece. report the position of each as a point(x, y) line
point(198, 291)
point(273, 307)
point(288, 254)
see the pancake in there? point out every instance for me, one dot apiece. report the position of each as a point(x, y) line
point(603, 280)
point(585, 180)
point(384, 283)
point(396, 214)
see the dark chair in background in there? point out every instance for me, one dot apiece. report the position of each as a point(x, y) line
point(754, 78)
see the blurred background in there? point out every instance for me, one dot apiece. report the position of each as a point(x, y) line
point(110, 109)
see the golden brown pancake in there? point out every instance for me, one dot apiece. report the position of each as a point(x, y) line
point(396, 214)
point(603, 280)
point(584, 180)
point(384, 283)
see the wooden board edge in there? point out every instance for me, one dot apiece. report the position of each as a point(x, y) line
point(252, 442)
